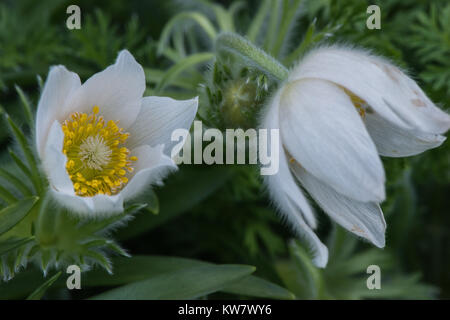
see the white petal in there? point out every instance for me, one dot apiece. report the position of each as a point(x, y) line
point(61, 187)
point(291, 212)
point(385, 88)
point(289, 199)
point(97, 206)
point(324, 133)
point(78, 205)
point(104, 205)
point(59, 86)
point(54, 161)
point(283, 180)
point(152, 166)
point(364, 219)
point(394, 141)
point(158, 118)
point(117, 91)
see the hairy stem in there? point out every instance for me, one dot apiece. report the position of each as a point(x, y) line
point(249, 53)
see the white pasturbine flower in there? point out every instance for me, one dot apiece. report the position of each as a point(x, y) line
point(339, 109)
point(101, 142)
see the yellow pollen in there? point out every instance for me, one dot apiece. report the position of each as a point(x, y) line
point(360, 105)
point(97, 160)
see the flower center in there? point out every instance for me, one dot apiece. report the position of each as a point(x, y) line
point(95, 153)
point(97, 161)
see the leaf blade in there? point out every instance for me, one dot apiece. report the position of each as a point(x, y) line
point(183, 284)
point(13, 214)
point(40, 291)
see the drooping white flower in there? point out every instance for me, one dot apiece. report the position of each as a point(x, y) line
point(339, 110)
point(101, 142)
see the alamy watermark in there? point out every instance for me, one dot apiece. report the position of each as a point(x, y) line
point(374, 280)
point(74, 280)
point(374, 20)
point(229, 148)
point(74, 20)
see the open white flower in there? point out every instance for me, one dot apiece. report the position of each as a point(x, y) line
point(101, 142)
point(339, 110)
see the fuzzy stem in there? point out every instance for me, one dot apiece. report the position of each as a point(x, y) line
point(241, 47)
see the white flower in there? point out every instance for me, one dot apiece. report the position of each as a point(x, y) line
point(339, 110)
point(101, 142)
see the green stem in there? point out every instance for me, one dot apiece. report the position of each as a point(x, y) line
point(237, 45)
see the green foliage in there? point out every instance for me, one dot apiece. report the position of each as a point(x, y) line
point(434, 28)
point(345, 276)
point(32, 229)
point(218, 214)
point(39, 292)
point(188, 283)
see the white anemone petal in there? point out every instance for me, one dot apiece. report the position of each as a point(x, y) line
point(324, 133)
point(283, 179)
point(158, 118)
point(97, 206)
point(294, 217)
point(394, 141)
point(288, 197)
point(364, 219)
point(54, 161)
point(388, 90)
point(152, 166)
point(59, 86)
point(117, 91)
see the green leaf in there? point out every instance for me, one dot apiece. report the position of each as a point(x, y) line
point(117, 248)
point(101, 259)
point(89, 227)
point(24, 168)
point(309, 40)
point(152, 202)
point(138, 268)
point(13, 214)
point(39, 292)
point(258, 21)
point(252, 286)
point(26, 105)
point(182, 65)
point(16, 182)
point(20, 137)
point(313, 280)
point(288, 20)
point(224, 18)
point(183, 284)
point(272, 31)
point(304, 44)
point(154, 76)
point(8, 245)
point(399, 287)
point(180, 18)
point(7, 196)
point(191, 185)
point(46, 256)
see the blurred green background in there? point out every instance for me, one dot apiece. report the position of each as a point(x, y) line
point(221, 214)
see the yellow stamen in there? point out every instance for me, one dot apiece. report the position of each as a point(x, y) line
point(359, 103)
point(97, 161)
